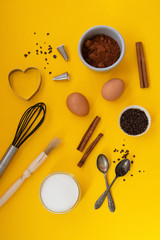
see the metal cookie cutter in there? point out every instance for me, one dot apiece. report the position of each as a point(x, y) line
point(27, 69)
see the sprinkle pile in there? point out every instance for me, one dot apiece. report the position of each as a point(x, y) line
point(42, 49)
point(123, 154)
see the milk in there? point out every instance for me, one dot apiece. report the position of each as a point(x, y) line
point(59, 192)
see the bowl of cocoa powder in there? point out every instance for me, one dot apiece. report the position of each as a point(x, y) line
point(101, 48)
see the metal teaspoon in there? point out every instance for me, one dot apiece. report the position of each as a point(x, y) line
point(121, 169)
point(103, 166)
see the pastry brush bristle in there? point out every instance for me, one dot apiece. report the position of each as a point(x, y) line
point(53, 144)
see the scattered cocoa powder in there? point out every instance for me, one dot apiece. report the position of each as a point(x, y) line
point(101, 51)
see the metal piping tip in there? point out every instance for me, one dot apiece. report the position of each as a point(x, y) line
point(62, 51)
point(63, 76)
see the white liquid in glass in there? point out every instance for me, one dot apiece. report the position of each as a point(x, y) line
point(59, 192)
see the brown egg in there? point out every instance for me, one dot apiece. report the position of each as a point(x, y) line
point(77, 104)
point(112, 89)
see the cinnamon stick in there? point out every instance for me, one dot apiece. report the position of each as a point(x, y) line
point(145, 78)
point(88, 134)
point(89, 150)
point(141, 65)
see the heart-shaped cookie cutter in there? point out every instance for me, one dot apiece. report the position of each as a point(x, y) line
point(20, 70)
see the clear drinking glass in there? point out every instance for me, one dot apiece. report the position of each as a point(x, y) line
point(78, 188)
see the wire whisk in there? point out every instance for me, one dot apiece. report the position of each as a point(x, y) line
point(30, 121)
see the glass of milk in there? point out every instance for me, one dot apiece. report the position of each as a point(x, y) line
point(60, 192)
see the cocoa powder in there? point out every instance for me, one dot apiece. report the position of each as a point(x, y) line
point(100, 51)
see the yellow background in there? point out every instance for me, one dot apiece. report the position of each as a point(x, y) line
point(138, 198)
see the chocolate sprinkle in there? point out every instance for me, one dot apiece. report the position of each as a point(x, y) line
point(132, 162)
point(134, 121)
point(45, 59)
point(50, 72)
point(25, 55)
point(29, 52)
point(47, 33)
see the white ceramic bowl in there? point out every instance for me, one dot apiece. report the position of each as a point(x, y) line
point(106, 30)
point(142, 109)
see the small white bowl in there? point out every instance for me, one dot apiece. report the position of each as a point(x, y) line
point(106, 30)
point(142, 109)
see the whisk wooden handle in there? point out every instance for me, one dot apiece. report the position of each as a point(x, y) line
point(7, 158)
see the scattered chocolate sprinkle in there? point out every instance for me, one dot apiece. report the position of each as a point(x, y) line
point(45, 52)
point(131, 175)
point(40, 47)
point(50, 72)
point(118, 159)
point(123, 145)
point(132, 162)
point(114, 161)
point(41, 52)
point(125, 155)
point(47, 33)
point(25, 55)
point(45, 59)
point(37, 53)
point(139, 171)
point(44, 67)
point(36, 50)
point(34, 32)
point(121, 151)
point(36, 43)
point(124, 179)
point(134, 156)
point(29, 52)
point(47, 62)
point(134, 121)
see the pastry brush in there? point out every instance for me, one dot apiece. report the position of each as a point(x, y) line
point(32, 167)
